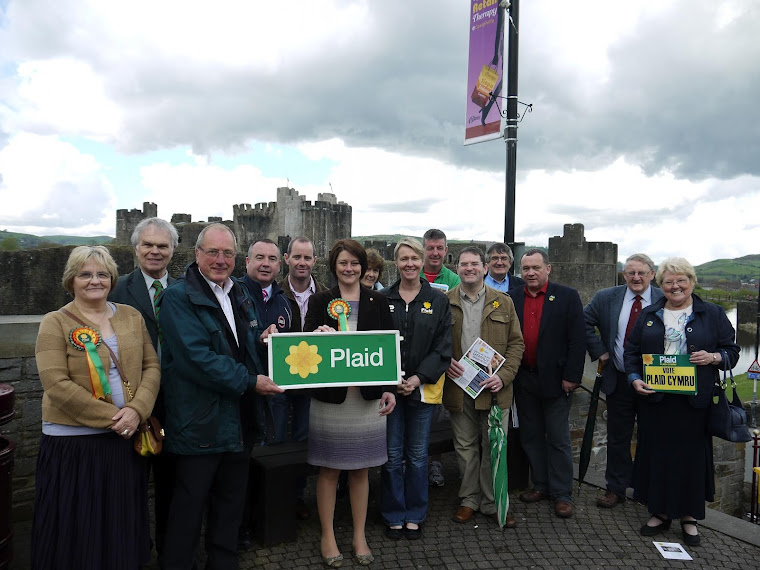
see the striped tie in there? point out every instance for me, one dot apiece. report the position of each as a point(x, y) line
point(157, 288)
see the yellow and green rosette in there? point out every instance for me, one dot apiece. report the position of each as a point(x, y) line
point(88, 339)
point(339, 309)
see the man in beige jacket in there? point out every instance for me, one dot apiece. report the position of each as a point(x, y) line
point(479, 311)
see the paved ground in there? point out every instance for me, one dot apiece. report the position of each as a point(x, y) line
point(593, 538)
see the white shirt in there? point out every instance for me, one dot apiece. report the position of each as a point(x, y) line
point(625, 314)
point(222, 295)
point(149, 283)
point(303, 298)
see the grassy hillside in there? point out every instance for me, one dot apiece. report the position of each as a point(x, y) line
point(739, 269)
point(31, 241)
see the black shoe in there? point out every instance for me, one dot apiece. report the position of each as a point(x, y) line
point(394, 533)
point(647, 530)
point(413, 533)
point(690, 539)
point(245, 540)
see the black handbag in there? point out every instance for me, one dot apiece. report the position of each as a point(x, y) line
point(727, 420)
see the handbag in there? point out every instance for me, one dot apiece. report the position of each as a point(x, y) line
point(727, 420)
point(149, 437)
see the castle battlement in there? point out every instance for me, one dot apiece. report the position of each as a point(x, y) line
point(324, 221)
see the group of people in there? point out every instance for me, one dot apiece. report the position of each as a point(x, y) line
point(192, 352)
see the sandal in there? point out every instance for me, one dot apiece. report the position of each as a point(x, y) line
point(690, 539)
point(647, 530)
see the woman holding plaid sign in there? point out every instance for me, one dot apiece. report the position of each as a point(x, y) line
point(347, 424)
point(673, 473)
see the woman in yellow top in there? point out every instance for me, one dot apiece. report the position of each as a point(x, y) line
point(91, 499)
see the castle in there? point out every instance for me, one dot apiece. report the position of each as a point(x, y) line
point(323, 221)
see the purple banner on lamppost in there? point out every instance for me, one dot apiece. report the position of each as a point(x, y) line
point(483, 121)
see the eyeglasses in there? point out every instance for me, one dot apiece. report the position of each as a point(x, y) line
point(502, 258)
point(636, 273)
point(681, 282)
point(214, 253)
point(100, 276)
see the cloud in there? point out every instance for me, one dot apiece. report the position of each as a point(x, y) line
point(48, 185)
point(409, 206)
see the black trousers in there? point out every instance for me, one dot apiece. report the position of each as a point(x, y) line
point(218, 481)
point(622, 408)
point(163, 484)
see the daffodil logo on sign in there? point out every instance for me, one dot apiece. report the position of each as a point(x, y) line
point(648, 359)
point(303, 359)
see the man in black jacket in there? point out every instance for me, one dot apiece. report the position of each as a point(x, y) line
point(551, 317)
point(154, 241)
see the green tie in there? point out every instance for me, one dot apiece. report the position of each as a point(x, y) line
point(157, 287)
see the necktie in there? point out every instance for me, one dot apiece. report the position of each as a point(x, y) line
point(157, 288)
point(264, 293)
point(635, 311)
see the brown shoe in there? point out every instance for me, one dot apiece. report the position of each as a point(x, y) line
point(509, 523)
point(463, 514)
point(608, 500)
point(533, 496)
point(563, 509)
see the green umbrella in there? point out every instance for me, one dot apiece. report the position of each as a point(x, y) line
point(498, 440)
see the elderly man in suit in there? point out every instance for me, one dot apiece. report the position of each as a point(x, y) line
point(613, 312)
point(551, 317)
point(154, 241)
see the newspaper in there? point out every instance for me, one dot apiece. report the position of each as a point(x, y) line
point(480, 362)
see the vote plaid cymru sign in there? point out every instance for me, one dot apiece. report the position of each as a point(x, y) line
point(314, 360)
point(672, 373)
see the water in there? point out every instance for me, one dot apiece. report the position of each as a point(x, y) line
point(746, 342)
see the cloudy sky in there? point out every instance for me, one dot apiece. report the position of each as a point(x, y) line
point(645, 123)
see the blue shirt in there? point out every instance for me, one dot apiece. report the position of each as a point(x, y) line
point(502, 286)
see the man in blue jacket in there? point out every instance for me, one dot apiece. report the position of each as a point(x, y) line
point(209, 335)
point(613, 312)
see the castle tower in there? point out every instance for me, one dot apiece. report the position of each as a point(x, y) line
point(127, 220)
point(583, 265)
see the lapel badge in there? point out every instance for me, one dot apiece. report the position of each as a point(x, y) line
point(650, 323)
point(551, 297)
point(495, 304)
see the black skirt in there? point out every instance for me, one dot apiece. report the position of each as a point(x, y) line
point(90, 505)
point(673, 473)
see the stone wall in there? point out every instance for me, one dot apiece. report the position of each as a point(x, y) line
point(580, 264)
point(19, 369)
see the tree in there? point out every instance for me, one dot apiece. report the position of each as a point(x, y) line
point(9, 244)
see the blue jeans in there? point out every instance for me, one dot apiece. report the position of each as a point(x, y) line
point(279, 404)
point(405, 491)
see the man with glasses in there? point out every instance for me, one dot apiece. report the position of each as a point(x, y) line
point(154, 241)
point(500, 261)
point(209, 336)
point(613, 312)
point(478, 311)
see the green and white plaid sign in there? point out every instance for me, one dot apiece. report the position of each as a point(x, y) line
point(353, 358)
